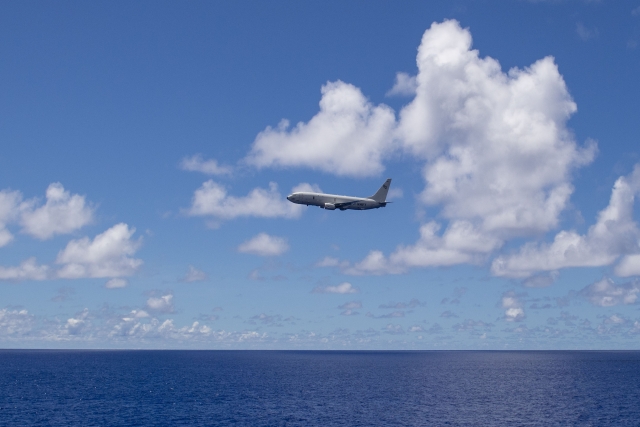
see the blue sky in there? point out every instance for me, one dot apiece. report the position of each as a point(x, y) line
point(147, 149)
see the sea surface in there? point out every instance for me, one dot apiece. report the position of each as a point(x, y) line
point(319, 388)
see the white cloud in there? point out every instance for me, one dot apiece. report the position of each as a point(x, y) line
point(460, 243)
point(61, 214)
point(264, 245)
point(374, 263)
point(5, 237)
point(27, 270)
point(132, 327)
point(15, 323)
point(497, 147)
point(108, 255)
point(9, 209)
point(116, 283)
point(615, 233)
point(139, 314)
point(195, 275)
point(348, 136)
point(342, 288)
point(210, 167)
point(163, 304)
point(330, 261)
point(605, 293)
point(513, 307)
point(629, 265)
point(350, 305)
point(405, 85)
point(76, 325)
point(212, 200)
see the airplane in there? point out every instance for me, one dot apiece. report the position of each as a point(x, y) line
point(332, 201)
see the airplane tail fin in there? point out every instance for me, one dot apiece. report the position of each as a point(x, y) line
point(381, 194)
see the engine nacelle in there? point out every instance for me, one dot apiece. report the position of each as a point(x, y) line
point(330, 206)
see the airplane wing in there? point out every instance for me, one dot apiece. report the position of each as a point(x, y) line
point(343, 205)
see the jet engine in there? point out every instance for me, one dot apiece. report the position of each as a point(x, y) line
point(330, 206)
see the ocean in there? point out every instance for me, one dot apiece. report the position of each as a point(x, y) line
point(319, 388)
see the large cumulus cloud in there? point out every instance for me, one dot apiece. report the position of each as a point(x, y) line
point(498, 156)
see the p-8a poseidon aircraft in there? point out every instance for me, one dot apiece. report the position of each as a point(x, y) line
point(332, 201)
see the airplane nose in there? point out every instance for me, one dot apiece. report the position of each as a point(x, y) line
point(289, 198)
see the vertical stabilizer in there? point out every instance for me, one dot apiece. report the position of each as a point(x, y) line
point(381, 194)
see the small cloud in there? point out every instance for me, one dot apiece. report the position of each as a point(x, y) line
point(108, 255)
point(264, 245)
point(329, 261)
point(115, 283)
point(416, 328)
point(139, 314)
point(27, 270)
point(194, 275)
point(342, 288)
point(306, 187)
point(349, 307)
point(163, 304)
point(636, 11)
point(585, 33)
point(615, 319)
point(212, 200)
point(448, 314)
point(514, 311)
point(76, 325)
point(209, 167)
point(62, 213)
point(605, 293)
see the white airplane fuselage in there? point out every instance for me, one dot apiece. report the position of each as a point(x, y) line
point(334, 201)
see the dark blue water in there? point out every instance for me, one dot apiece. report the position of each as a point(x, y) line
point(280, 388)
